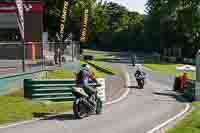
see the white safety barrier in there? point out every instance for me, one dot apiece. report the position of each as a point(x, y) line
point(101, 89)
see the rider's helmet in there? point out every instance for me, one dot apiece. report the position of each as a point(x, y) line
point(86, 67)
point(139, 68)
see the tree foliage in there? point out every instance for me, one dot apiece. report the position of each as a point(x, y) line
point(168, 23)
point(115, 27)
point(54, 11)
point(173, 23)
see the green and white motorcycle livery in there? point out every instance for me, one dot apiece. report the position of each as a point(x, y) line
point(82, 106)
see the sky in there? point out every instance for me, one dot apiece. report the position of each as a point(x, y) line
point(133, 5)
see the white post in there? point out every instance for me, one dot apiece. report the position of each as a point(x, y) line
point(101, 89)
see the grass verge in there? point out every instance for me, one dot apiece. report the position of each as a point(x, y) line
point(169, 69)
point(61, 74)
point(191, 123)
point(92, 50)
point(100, 69)
point(103, 57)
point(13, 109)
point(97, 67)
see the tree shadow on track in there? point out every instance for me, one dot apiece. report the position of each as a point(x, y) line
point(133, 87)
point(41, 115)
point(60, 117)
point(174, 95)
point(101, 69)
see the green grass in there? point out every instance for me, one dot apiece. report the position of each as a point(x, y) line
point(61, 74)
point(168, 69)
point(103, 57)
point(98, 61)
point(191, 123)
point(91, 50)
point(107, 68)
point(67, 74)
point(13, 109)
point(99, 73)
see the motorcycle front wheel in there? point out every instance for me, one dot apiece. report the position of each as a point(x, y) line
point(79, 109)
point(99, 106)
point(141, 84)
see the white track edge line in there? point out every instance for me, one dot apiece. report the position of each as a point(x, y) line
point(187, 107)
point(125, 94)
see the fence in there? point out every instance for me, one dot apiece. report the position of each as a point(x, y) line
point(34, 56)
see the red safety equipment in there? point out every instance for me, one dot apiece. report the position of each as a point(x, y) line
point(183, 80)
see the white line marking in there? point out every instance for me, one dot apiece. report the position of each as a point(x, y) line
point(28, 121)
point(119, 99)
point(19, 123)
point(125, 94)
point(187, 107)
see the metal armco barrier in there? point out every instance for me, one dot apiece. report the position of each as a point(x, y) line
point(13, 82)
point(56, 89)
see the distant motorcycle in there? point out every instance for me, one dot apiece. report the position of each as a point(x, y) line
point(133, 60)
point(141, 81)
point(82, 106)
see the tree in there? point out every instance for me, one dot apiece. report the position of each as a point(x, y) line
point(53, 12)
point(116, 27)
point(80, 5)
point(173, 22)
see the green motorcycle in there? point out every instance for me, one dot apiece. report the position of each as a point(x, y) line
point(83, 106)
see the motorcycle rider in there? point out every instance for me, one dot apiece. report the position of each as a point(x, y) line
point(82, 81)
point(133, 59)
point(139, 73)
